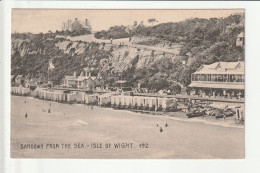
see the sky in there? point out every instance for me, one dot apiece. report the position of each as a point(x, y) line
point(43, 20)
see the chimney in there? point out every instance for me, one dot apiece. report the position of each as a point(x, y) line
point(82, 73)
point(75, 74)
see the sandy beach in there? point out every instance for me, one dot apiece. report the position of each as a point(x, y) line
point(80, 131)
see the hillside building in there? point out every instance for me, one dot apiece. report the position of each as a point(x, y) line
point(86, 81)
point(12, 79)
point(78, 25)
point(33, 81)
point(240, 41)
point(219, 79)
point(20, 79)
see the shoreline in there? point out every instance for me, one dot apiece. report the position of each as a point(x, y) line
point(79, 124)
point(158, 113)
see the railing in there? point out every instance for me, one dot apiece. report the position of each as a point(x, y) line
point(217, 82)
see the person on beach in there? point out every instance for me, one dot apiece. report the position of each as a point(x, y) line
point(26, 115)
point(166, 125)
point(161, 129)
point(25, 101)
point(157, 125)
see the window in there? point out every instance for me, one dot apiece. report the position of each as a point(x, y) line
point(214, 78)
point(196, 77)
point(232, 78)
point(220, 78)
point(192, 77)
point(240, 78)
point(236, 78)
point(202, 77)
point(225, 78)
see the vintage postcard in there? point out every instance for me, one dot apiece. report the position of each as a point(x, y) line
point(127, 84)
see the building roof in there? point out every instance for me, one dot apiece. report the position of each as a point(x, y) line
point(34, 79)
point(81, 78)
point(222, 68)
point(218, 85)
point(241, 34)
point(93, 78)
point(20, 75)
point(121, 81)
point(71, 77)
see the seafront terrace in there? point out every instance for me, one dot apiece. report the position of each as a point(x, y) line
point(178, 96)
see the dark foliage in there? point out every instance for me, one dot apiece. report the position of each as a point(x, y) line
point(204, 41)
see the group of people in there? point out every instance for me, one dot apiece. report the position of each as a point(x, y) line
point(43, 110)
point(161, 129)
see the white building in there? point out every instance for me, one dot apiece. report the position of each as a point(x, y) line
point(219, 79)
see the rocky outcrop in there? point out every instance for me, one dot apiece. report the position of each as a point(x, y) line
point(71, 55)
point(121, 55)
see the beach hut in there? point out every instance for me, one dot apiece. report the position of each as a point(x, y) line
point(69, 98)
point(146, 102)
point(39, 94)
point(62, 97)
point(49, 95)
point(35, 93)
point(78, 97)
point(134, 102)
point(113, 103)
point(16, 90)
point(123, 103)
point(131, 99)
point(118, 101)
point(83, 97)
point(104, 100)
point(140, 102)
point(152, 103)
point(53, 96)
point(164, 104)
point(25, 91)
point(44, 95)
point(57, 96)
point(128, 101)
point(160, 103)
point(90, 99)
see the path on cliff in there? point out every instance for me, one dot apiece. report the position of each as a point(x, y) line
point(124, 42)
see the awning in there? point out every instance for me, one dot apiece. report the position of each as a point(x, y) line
point(218, 86)
point(220, 72)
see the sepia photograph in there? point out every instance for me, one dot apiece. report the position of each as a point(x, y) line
point(127, 84)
